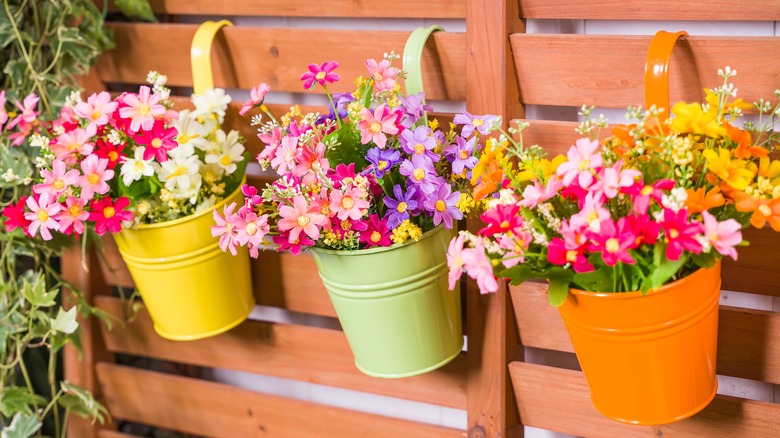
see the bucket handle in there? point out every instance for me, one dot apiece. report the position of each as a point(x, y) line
point(659, 54)
point(200, 54)
point(412, 61)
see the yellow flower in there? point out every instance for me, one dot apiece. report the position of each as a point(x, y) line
point(733, 172)
point(491, 153)
point(712, 100)
point(465, 203)
point(433, 124)
point(690, 118)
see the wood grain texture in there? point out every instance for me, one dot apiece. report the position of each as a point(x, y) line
point(221, 411)
point(114, 434)
point(305, 8)
point(610, 69)
point(748, 340)
point(310, 354)
point(559, 400)
point(706, 10)
point(242, 57)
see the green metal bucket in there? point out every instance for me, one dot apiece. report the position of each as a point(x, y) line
point(394, 306)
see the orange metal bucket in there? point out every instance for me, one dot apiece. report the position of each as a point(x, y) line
point(648, 359)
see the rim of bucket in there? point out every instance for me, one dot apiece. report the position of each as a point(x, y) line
point(666, 288)
point(192, 216)
point(359, 252)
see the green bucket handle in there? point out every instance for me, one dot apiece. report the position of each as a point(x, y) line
point(412, 61)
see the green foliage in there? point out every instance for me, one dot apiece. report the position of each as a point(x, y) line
point(136, 8)
point(22, 426)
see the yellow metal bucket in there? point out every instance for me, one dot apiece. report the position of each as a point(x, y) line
point(191, 288)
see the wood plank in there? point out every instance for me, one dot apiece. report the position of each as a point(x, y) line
point(559, 400)
point(304, 8)
point(544, 64)
point(221, 411)
point(756, 268)
point(705, 10)
point(290, 282)
point(310, 354)
point(748, 340)
point(114, 434)
point(245, 56)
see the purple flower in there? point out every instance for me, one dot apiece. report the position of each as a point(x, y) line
point(382, 160)
point(420, 172)
point(398, 209)
point(471, 122)
point(443, 204)
point(322, 74)
point(415, 108)
point(419, 142)
point(461, 154)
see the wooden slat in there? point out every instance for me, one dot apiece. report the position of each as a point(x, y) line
point(707, 10)
point(221, 411)
point(756, 268)
point(609, 70)
point(290, 282)
point(245, 56)
point(748, 340)
point(297, 352)
point(559, 400)
point(306, 8)
point(114, 434)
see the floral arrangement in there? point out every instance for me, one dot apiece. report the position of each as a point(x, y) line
point(113, 163)
point(651, 203)
point(370, 173)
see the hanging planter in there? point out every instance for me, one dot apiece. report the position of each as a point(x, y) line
point(394, 306)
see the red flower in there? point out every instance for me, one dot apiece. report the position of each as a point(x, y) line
point(113, 153)
point(15, 216)
point(109, 214)
point(560, 254)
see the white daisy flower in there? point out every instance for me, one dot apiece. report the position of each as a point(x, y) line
point(180, 172)
point(230, 153)
point(135, 168)
point(191, 133)
point(212, 101)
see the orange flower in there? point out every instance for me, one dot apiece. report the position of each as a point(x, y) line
point(492, 176)
point(699, 201)
point(745, 148)
point(764, 210)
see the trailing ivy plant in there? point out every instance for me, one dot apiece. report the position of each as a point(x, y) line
point(44, 45)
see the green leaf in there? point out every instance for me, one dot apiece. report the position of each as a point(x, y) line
point(705, 260)
point(15, 399)
point(517, 274)
point(136, 8)
point(557, 291)
point(22, 426)
point(664, 268)
point(34, 290)
point(65, 321)
point(598, 280)
point(81, 402)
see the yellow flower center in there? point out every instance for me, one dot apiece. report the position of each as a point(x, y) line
point(584, 164)
point(345, 225)
point(674, 233)
point(592, 216)
point(347, 202)
point(504, 224)
point(185, 138)
point(464, 155)
point(320, 76)
point(571, 256)
point(58, 184)
point(225, 160)
point(138, 166)
point(251, 228)
point(93, 178)
point(440, 206)
point(376, 236)
point(375, 127)
point(377, 76)
point(402, 206)
point(74, 210)
point(180, 170)
point(325, 210)
point(43, 215)
point(382, 165)
point(156, 143)
point(96, 115)
point(419, 174)
point(113, 156)
point(477, 122)
point(647, 190)
point(109, 212)
point(612, 246)
point(765, 210)
point(144, 110)
point(302, 221)
point(419, 149)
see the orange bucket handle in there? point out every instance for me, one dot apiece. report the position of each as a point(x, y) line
point(659, 54)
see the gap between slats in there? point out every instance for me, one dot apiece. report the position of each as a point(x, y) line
point(665, 10)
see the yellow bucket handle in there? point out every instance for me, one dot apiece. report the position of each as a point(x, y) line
point(200, 54)
point(659, 54)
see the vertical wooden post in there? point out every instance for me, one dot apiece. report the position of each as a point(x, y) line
point(491, 328)
point(79, 368)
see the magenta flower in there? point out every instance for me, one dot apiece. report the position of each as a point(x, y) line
point(382, 73)
point(614, 179)
point(158, 141)
point(374, 126)
point(95, 177)
point(643, 227)
point(478, 266)
point(642, 194)
point(322, 74)
point(96, 109)
point(723, 236)
point(109, 214)
point(613, 243)
point(256, 96)
point(72, 218)
point(14, 217)
point(141, 108)
point(3, 112)
point(27, 113)
point(57, 179)
point(377, 233)
point(560, 253)
point(471, 122)
point(301, 217)
point(500, 219)
point(283, 240)
point(348, 205)
point(41, 214)
point(225, 229)
point(443, 204)
point(681, 234)
point(583, 160)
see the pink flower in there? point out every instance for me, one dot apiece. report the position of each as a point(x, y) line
point(310, 162)
point(27, 113)
point(96, 109)
point(322, 74)
point(723, 236)
point(285, 156)
point(454, 260)
point(3, 112)
point(643, 227)
point(479, 267)
point(681, 234)
point(643, 193)
point(377, 233)
point(95, 177)
point(283, 240)
point(42, 212)
point(382, 74)
point(349, 204)
point(158, 141)
point(373, 127)
point(613, 243)
point(591, 214)
point(256, 94)
point(301, 218)
point(516, 244)
point(56, 180)
point(251, 229)
point(142, 108)
point(225, 229)
point(534, 194)
point(613, 179)
point(72, 218)
point(560, 253)
point(71, 143)
point(500, 219)
point(582, 164)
